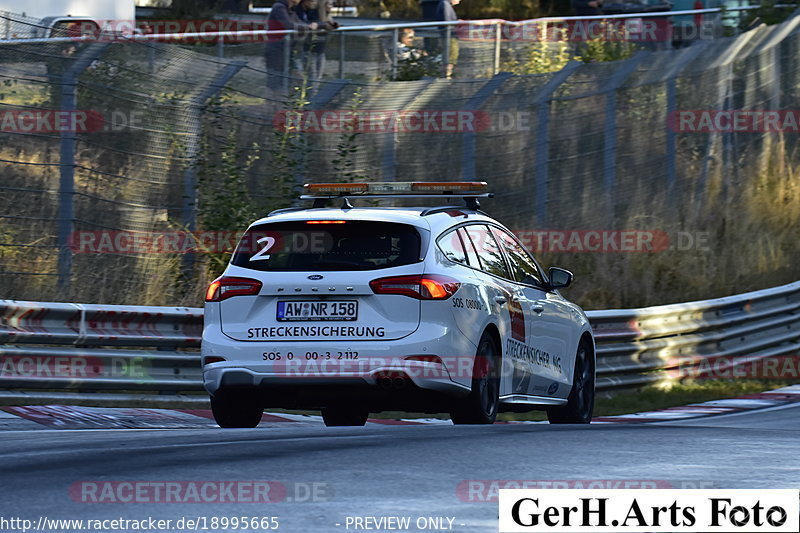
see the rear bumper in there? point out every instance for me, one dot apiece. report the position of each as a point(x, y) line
point(309, 374)
point(430, 376)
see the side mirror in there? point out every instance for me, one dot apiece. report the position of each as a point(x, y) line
point(559, 278)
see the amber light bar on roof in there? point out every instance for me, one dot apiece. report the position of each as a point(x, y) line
point(447, 188)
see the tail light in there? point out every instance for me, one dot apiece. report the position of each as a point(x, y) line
point(224, 287)
point(424, 287)
point(212, 359)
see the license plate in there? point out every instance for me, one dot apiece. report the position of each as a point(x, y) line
point(297, 310)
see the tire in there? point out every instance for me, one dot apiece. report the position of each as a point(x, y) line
point(236, 409)
point(480, 406)
point(341, 416)
point(580, 403)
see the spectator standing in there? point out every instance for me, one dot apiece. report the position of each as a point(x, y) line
point(587, 7)
point(445, 11)
point(282, 17)
point(311, 57)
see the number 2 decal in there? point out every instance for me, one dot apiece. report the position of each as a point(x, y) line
point(260, 255)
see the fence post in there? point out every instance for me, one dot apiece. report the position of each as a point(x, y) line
point(193, 119)
point(723, 63)
point(446, 51)
point(151, 57)
point(287, 59)
point(393, 48)
point(684, 58)
point(610, 129)
point(390, 138)
point(66, 191)
point(776, 76)
point(497, 44)
point(341, 54)
point(542, 104)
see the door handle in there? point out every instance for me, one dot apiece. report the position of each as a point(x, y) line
point(500, 300)
point(537, 308)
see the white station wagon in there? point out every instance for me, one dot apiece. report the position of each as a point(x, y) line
point(353, 310)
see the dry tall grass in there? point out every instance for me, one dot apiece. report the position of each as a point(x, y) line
point(752, 231)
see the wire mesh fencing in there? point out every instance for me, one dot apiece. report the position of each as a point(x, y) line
point(128, 168)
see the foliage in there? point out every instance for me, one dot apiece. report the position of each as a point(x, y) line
point(553, 53)
point(540, 57)
point(470, 9)
point(417, 67)
point(226, 202)
point(767, 13)
point(288, 152)
point(344, 163)
point(601, 50)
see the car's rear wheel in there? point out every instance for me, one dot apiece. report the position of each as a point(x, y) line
point(480, 406)
point(581, 398)
point(342, 416)
point(236, 409)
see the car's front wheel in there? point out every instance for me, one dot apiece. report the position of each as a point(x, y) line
point(480, 406)
point(581, 398)
point(236, 409)
point(340, 416)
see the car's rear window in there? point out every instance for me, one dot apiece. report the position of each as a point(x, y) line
point(327, 245)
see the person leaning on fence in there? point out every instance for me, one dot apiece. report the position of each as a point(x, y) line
point(310, 59)
point(445, 11)
point(282, 17)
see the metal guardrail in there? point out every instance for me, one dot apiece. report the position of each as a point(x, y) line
point(178, 36)
point(115, 355)
point(381, 39)
point(636, 347)
point(147, 356)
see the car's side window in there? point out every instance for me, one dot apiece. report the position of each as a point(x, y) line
point(472, 255)
point(523, 267)
point(488, 250)
point(451, 246)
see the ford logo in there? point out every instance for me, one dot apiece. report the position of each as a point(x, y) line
point(553, 388)
point(315, 277)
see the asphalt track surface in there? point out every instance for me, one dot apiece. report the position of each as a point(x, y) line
point(435, 470)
